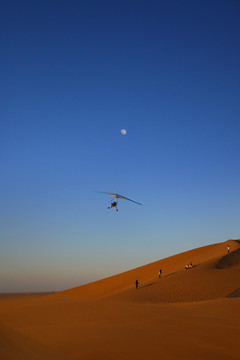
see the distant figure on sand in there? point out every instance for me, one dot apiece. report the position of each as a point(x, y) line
point(160, 273)
point(228, 249)
point(136, 284)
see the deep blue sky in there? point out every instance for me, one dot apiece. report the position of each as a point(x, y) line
point(73, 74)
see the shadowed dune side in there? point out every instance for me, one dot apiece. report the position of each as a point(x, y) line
point(228, 260)
point(16, 346)
point(235, 293)
point(172, 268)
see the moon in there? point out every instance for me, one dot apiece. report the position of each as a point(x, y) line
point(123, 132)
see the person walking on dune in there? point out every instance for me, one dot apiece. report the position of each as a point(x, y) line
point(159, 273)
point(136, 284)
point(228, 248)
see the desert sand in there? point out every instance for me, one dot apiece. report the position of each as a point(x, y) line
point(192, 313)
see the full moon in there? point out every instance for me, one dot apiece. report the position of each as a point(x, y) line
point(123, 132)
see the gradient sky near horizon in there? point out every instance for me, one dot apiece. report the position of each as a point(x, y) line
point(73, 74)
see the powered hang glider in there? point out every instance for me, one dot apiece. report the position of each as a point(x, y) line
point(114, 201)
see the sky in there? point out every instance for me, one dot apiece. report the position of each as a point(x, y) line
point(73, 74)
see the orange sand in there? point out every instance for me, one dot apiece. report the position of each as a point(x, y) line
point(192, 313)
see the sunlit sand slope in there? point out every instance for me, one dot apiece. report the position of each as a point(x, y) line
point(214, 274)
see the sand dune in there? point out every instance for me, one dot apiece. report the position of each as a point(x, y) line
point(187, 313)
point(176, 284)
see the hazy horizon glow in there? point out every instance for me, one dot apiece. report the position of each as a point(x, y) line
point(73, 75)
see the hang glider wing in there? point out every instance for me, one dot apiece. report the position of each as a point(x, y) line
point(117, 196)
